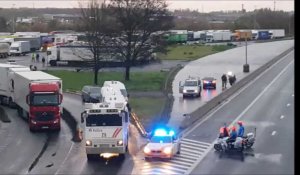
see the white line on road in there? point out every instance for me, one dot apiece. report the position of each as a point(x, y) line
point(273, 133)
point(293, 95)
point(287, 105)
point(243, 112)
point(282, 116)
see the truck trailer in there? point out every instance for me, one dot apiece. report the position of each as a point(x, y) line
point(4, 50)
point(277, 33)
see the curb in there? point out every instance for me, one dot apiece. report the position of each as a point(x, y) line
point(201, 111)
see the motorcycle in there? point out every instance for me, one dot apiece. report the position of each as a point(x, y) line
point(225, 145)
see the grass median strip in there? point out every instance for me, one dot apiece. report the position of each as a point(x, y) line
point(148, 109)
point(191, 52)
point(139, 81)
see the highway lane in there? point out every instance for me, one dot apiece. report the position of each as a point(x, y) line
point(217, 64)
point(18, 146)
point(75, 162)
point(272, 112)
point(198, 140)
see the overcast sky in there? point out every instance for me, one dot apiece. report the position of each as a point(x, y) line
point(201, 5)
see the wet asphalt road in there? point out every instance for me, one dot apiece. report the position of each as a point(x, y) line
point(268, 105)
point(214, 66)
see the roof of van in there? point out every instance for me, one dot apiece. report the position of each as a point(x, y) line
point(116, 84)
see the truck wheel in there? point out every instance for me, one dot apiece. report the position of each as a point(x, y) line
point(90, 157)
point(31, 129)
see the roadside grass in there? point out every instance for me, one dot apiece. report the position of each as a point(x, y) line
point(139, 81)
point(191, 52)
point(148, 109)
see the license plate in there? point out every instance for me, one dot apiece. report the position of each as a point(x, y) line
point(45, 127)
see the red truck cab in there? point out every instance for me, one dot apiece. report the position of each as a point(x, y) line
point(44, 102)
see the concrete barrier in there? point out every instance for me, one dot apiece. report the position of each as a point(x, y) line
point(200, 112)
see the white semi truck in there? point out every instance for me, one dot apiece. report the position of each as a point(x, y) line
point(106, 126)
point(6, 71)
point(4, 50)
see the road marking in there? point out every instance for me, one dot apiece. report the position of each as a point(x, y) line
point(61, 165)
point(287, 105)
point(243, 112)
point(282, 116)
point(194, 141)
point(293, 95)
point(273, 133)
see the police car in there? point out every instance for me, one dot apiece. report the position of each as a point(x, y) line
point(209, 82)
point(163, 144)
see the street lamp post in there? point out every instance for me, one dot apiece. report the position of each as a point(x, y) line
point(246, 67)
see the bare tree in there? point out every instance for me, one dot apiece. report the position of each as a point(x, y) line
point(138, 23)
point(95, 21)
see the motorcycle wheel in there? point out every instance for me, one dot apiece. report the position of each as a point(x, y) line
point(249, 145)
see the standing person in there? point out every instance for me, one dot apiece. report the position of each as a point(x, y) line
point(224, 80)
point(37, 57)
point(32, 57)
point(43, 61)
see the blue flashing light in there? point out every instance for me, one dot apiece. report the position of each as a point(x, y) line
point(171, 133)
point(163, 132)
point(160, 132)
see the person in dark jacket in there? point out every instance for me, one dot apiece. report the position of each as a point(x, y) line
point(224, 80)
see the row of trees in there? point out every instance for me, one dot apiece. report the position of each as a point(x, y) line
point(126, 27)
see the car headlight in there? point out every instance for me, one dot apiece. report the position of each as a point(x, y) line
point(184, 91)
point(196, 91)
point(88, 143)
point(33, 121)
point(120, 143)
point(167, 150)
point(147, 150)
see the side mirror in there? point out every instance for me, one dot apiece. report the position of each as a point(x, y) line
point(27, 99)
point(82, 116)
point(60, 98)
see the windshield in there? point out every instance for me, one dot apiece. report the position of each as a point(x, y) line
point(124, 92)
point(160, 139)
point(14, 48)
point(95, 90)
point(44, 100)
point(190, 83)
point(104, 120)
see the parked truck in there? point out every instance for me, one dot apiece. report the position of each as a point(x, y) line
point(4, 50)
point(263, 35)
point(277, 33)
point(5, 89)
point(36, 95)
point(19, 48)
point(35, 42)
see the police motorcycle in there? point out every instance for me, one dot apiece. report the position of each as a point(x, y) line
point(223, 144)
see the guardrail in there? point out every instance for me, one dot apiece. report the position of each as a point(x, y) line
point(139, 125)
point(200, 112)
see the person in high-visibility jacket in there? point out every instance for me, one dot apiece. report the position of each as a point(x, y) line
point(224, 131)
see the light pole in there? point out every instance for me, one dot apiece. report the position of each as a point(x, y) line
point(246, 67)
point(13, 20)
